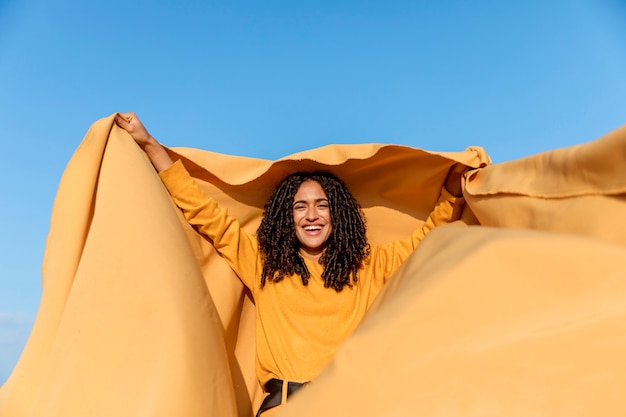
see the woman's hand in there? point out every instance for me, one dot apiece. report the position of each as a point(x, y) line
point(156, 152)
point(453, 180)
point(130, 123)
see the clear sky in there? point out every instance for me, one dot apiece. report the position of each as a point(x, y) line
point(267, 79)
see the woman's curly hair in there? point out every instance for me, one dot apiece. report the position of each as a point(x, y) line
point(347, 245)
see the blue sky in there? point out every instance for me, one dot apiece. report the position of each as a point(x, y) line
point(267, 79)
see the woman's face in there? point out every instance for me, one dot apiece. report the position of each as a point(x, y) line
point(311, 217)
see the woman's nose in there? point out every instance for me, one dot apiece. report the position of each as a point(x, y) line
point(311, 213)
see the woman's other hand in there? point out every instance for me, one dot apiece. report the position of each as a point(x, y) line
point(453, 180)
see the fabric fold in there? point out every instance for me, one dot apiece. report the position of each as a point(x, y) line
point(126, 325)
point(576, 190)
point(519, 323)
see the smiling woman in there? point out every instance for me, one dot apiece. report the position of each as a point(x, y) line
point(310, 251)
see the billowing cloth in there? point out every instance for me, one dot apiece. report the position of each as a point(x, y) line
point(298, 327)
point(521, 315)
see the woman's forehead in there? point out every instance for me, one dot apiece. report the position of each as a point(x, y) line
point(310, 189)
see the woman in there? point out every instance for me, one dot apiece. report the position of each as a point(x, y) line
point(310, 268)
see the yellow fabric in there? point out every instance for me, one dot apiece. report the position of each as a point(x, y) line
point(140, 316)
point(298, 327)
point(521, 323)
point(579, 190)
point(123, 302)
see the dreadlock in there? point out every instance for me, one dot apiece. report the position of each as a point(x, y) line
point(346, 247)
